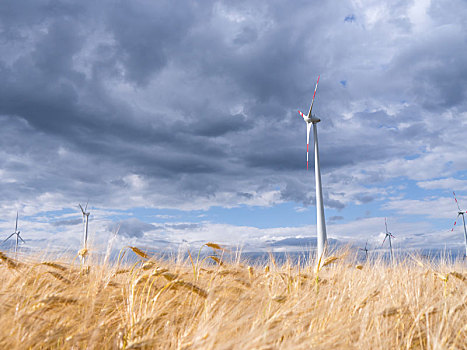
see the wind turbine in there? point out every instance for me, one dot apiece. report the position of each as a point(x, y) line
point(85, 222)
point(388, 235)
point(460, 212)
point(17, 235)
point(320, 223)
point(365, 250)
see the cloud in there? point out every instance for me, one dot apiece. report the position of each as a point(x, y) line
point(122, 104)
point(336, 218)
point(70, 222)
point(447, 183)
point(302, 242)
point(184, 227)
point(443, 207)
point(131, 228)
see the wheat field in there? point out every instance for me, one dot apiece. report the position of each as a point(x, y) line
point(208, 302)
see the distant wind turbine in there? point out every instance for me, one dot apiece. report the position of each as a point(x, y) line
point(17, 233)
point(365, 250)
point(320, 222)
point(461, 212)
point(388, 235)
point(85, 223)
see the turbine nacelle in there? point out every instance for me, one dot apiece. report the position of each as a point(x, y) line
point(85, 213)
point(313, 119)
point(310, 118)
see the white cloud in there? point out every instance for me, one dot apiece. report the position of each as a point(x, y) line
point(437, 207)
point(447, 183)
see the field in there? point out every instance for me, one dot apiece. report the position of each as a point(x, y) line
point(208, 302)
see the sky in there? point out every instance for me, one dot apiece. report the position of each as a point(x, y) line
point(178, 123)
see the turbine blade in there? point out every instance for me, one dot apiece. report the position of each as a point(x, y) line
point(21, 239)
point(16, 227)
point(8, 238)
point(313, 100)
point(456, 200)
point(455, 223)
point(308, 129)
point(82, 210)
point(303, 115)
point(386, 225)
point(384, 240)
point(86, 207)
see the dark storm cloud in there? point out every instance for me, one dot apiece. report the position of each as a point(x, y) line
point(220, 124)
point(142, 103)
point(296, 192)
point(147, 35)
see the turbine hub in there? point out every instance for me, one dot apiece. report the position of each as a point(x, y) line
point(313, 119)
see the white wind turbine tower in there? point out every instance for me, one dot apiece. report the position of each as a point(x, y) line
point(460, 212)
point(85, 232)
point(388, 235)
point(320, 223)
point(17, 235)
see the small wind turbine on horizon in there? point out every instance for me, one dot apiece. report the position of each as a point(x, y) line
point(365, 250)
point(460, 212)
point(84, 251)
point(388, 235)
point(17, 233)
point(312, 120)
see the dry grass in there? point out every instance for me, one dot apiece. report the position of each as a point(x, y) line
point(214, 304)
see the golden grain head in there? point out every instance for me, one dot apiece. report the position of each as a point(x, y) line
point(214, 246)
point(169, 276)
point(250, 271)
point(195, 289)
point(59, 277)
point(279, 298)
point(139, 252)
point(216, 259)
point(8, 261)
point(458, 276)
point(394, 310)
point(54, 265)
point(83, 253)
point(148, 265)
point(329, 260)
